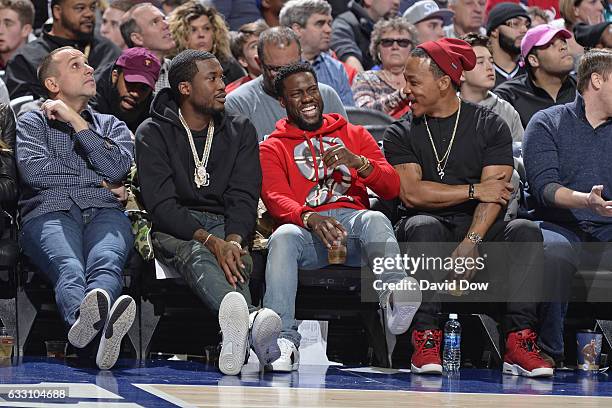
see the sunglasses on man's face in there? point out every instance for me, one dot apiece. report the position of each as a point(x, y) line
point(402, 42)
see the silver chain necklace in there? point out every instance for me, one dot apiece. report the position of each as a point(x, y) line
point(200, 176)
point(440, 167)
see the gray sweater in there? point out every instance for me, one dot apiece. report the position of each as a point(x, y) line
point(507, 113)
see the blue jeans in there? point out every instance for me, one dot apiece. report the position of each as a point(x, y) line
point(78, 251)
point(292, 247)
point(563, 254)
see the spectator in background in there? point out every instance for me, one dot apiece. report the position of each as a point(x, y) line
point(199, 27)
point(311, 20)
point(392, 41)
point(73, 25)
point(608, 10)
point(352, 30)
point(548, 81)
point(16, 20)
point(125, 88)
point(428, 19)
point(72, 163)
point(244, 48)
point(168, 6)
point(469, 18)
point(567, 159)
point(506, 27)
point(237, 12)
point(270, 9)
point(594, 36)
point(476, 85)
point(8, 168)
point(257, 100)
point(579, 11)
point(539, 16)
point(144, 25)
point(111, 20)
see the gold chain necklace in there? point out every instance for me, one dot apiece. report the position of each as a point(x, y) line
point(444, 158)
point(200, 176)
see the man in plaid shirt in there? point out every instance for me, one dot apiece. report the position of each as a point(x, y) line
point(72, 162)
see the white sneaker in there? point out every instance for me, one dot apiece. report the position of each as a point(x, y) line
point(234, 323)
point(93, 313)
point(289, 359)
point(265, 326)
point(405, 305)
point(120, 320)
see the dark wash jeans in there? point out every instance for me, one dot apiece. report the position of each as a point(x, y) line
point(431, 229)
point(198, 266)
point(78, 251)
point(564, 254)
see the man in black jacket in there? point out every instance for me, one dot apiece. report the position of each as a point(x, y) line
point(352, 30)
point(200, 181)
point(73, 25)
point(125, 88)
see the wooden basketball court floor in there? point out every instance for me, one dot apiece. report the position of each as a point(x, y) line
point(161, 383)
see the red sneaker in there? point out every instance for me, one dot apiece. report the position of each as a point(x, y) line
point(426, 356)
point(523, 356)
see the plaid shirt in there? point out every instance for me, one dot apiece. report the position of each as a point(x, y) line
point(59, 167)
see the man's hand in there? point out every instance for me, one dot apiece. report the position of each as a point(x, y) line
point(597, 204)
point(228, 255)
point(118, 190)
point(494, 190)
point(466, 250)
point(58, 110)
point(328, 229)
point(338, 155)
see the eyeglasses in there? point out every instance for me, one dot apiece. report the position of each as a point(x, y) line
point(402, 42)
point(518, 23)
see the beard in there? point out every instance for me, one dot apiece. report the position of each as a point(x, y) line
point(506, 43)
point(76, 29)
point(307, 126)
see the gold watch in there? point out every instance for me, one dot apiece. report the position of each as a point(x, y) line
point(305, 217)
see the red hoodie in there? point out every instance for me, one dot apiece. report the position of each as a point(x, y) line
point(290, 186)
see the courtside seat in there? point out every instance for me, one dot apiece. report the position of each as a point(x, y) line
point(368, 117)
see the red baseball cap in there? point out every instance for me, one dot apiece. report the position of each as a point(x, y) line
point(139, 65)
point(539, 36)
point(452, 55)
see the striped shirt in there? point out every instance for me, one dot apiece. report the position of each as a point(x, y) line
point(59, 167)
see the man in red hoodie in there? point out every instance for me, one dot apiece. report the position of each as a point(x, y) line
point(316, 169)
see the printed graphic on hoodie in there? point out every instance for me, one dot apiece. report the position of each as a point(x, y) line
point(332, 184)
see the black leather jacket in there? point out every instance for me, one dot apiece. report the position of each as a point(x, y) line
point(8, 168)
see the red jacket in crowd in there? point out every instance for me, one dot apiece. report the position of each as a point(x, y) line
point(295, 182)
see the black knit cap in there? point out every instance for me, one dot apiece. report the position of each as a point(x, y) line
point(503, 12)
point(589, 35)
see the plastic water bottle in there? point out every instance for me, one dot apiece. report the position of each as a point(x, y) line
point(451, 359)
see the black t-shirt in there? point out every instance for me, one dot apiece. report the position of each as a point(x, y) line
point(482, 139)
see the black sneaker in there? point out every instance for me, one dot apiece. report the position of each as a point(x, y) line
point(119, 322)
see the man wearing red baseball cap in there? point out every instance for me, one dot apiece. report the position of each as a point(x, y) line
point(125, 87)
point(547, 82)
point(455, 161)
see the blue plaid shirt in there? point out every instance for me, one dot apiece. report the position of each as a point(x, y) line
point(59, 167)
point(331, 72)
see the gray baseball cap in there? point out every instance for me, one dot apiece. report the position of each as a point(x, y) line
point(426, 10)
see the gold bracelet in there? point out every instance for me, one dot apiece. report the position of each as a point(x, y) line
point(365, 165)
point(305, 218)
point(207, 238)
